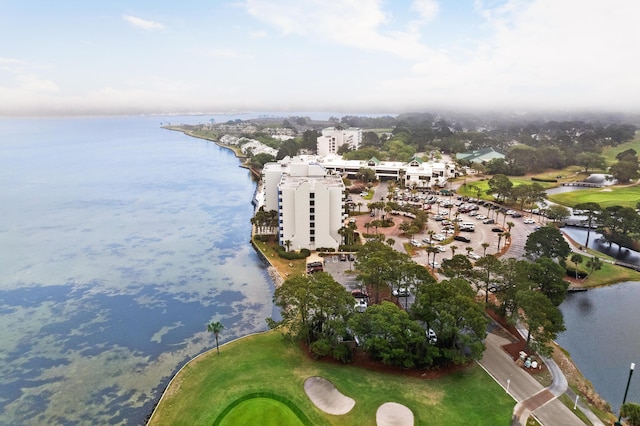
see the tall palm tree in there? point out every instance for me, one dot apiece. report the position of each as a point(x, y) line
point(453, 250)
point(215, 328)
point(510, 225)
point(287, 243)
point(500, 235)
point(576, 258)
point(485, 246)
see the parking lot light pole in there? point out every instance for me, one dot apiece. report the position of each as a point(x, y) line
point(624, 399)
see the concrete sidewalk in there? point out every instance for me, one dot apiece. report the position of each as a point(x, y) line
point(531, 396)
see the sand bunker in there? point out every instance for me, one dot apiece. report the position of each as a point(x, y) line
point(394, 414)
point(326, 397)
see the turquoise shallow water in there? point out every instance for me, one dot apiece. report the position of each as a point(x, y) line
point(119, 242)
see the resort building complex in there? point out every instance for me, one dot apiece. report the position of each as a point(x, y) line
point(308, 193)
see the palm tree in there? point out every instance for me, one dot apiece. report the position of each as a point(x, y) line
point(287, 243)
point(359, 206)
point(215, 328)
point(500, 235)
point(469, 250)
point(594, 264)
point(453, 250)
point(485, 246)
point(391, 241)
point(576, 258)
point(510, 225)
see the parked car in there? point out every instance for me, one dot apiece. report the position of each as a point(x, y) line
point(359, 294)
point(434, 265)
point(488, 221)
point(529, 221)
point(360, 305)
point(343, 257)
point(516, 215)
point(474, 256)
point(462, 238)
point(351, 257)
point(438, 237)
point(481, 217)
point(497, 230)
point(401, 292)
point(416, 243)
point(431, 336)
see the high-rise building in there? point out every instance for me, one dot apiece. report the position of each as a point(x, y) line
point(333, 138)
point(309, 201)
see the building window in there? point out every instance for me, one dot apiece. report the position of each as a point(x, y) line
point(312, 232)
point(312, 217)
point(312, 195)
point(312, 210)
point(312, 239)
point(312, 203)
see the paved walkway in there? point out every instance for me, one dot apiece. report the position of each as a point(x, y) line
point(531, 396)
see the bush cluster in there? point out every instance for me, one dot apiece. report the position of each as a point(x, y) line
point(293, 255)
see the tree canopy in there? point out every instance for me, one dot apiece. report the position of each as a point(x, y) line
point(547, 242)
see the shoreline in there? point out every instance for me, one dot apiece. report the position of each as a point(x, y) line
point(278, 278)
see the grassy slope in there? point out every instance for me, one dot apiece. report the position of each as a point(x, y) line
point(626, 196)
point(266, 363)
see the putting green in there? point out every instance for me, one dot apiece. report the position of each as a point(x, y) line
point(265, 409)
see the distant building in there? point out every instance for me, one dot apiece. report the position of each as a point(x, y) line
point(333, 138)
point(480, 156)
point(415, 172)
point(309, 201)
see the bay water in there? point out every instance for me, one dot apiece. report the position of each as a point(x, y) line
point(119, 242)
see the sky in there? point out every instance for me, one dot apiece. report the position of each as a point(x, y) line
point(370, 56)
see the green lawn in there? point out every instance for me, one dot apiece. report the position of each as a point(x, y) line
point(610, 153)
point(483, 185)
point(264, 363)
point(626, 196)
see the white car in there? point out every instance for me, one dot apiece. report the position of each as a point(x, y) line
point(431, 336)
point(416, 243)
point(361, 305)
point(474, 256)
point(448, 231)
point(481, 217)
point(434, 265)
point(510, 212)
point(438, 237)
point(529, 221)
point(401, 292)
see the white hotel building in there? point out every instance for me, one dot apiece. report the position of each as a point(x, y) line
point(309, 195)
point(309, 201)
point(333, 138)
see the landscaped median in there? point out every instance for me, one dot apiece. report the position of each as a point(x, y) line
point(265, 366)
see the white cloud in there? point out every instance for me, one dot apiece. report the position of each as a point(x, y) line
point(143, 23)
point(356, 23)
point(427, 9)
point(567, 54)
